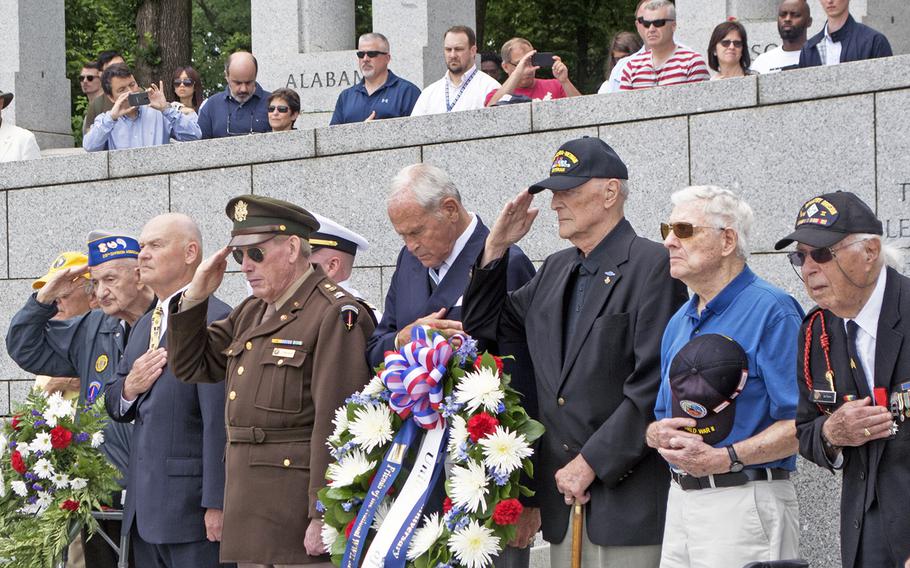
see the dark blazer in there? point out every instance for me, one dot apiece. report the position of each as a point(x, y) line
point(878, 470)
point(598, 399)
point(176, 468)
point(858, 42)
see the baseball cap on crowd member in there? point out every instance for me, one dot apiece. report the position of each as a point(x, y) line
point(258, 219)
point(335, 236)
point(706, 376)
point(826, 219)
point(65, 260)
point(580, 160)
point(103, 247)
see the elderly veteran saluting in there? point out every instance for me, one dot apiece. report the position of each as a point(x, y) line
point(290, 354)
point(853, 371)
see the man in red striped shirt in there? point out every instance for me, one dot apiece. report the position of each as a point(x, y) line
point(663, 62)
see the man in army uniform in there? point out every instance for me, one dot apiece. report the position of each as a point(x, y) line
point(290, 354)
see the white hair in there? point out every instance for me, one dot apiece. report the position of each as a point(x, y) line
point(624, 187)
point(425, 183)
point(658, 4)
point(892, 255)
point(723, 209)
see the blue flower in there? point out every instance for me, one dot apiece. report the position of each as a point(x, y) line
point(82, 437)
point(35, 413)
point(37, 487)
point(501, 408)
point(347, 506)
point(40, 422)
point(32, 500)
point(319, 506)
point(468, 350)
point(29, 476)
point(12, 445)
point(499, 477)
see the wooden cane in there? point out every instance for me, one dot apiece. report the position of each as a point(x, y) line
point(578, 521)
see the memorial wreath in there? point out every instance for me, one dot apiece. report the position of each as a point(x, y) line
point(52, 475)
point(471, 420)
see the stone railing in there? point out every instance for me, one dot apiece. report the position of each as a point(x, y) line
point(776, 139)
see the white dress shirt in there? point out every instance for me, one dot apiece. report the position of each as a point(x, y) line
point(829, 49)
point(460, 243)
point(867, 320)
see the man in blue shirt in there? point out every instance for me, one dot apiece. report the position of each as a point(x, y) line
point(731, 501)
point(381, 93)
point(842, 39)
point(240, 109)
point(126, 126)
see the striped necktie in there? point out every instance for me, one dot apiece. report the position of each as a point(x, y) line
point(155, 335)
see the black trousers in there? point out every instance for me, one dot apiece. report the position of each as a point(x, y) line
point(201, 554)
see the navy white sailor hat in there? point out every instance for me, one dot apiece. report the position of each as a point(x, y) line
point(336, 236)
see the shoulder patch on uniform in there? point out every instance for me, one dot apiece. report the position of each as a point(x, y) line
point(349, 315)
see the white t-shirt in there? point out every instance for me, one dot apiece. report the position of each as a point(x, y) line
point(775, 60)
point(433, 99)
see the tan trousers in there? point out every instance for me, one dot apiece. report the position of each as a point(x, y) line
point(320, 565)
point(596, 556)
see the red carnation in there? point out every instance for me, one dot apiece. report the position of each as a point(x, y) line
point(507, 512)
point(349, 528)
point(15, 422)
point(498, 360)
point(447, 505)
point(69, 505)
point(60, 438)
point(480, 425)
point(17, 462)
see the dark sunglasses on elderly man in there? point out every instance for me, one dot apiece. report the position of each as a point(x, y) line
point(682, 230)
point(659, 23)
point(372, 54)
point(255, 254)
point(819, 255)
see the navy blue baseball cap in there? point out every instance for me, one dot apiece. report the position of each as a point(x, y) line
point(580, 160)
point(825, 220)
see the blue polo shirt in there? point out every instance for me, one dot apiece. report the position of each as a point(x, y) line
point(395, 98)
point(765, 321)
point(221, 111)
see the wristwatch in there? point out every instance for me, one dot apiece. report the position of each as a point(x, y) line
point(736, 466)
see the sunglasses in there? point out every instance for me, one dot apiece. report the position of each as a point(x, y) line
point(819, 255)
point(682, 230)
point(184, 82)
point(734, 42)
point(88, 78)
point(371, 54)
point(280, 108)
point(255, 254)
point(656, 23)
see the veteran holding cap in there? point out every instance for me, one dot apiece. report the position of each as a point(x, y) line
point(593, 316)
point(290, 354)
point(727, 403)
point(853, 372)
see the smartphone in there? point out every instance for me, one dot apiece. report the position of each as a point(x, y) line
point(542, 59)
point(138, 99)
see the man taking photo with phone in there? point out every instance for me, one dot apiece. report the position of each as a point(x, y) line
point(139, 117)
point(521, 61)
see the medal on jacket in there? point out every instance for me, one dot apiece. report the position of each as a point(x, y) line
point(824, 399)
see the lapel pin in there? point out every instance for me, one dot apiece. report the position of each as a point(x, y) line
point(609, 276)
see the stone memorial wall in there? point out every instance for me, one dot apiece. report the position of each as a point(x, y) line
point(776, 139)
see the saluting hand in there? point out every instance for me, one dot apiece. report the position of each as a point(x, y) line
point(146, 370)
point(60, 283)
point(313, 539)
point(435, 321)
point(511, 226)
point(857, 422)
point(208, 275)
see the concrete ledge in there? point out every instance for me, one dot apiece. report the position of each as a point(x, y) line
point(644, 104)
point(215, 153)
point(835, 81)
point(57, 169)
point(418, 130)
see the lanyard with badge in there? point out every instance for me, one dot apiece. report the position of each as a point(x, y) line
point(464, 85)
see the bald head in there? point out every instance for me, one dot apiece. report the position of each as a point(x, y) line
point(240, 72)
point(170, 250)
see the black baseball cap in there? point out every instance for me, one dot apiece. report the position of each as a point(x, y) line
point(706, 376)
point(580, 160)
point(827, 219)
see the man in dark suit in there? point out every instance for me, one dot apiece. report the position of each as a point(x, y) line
point(176, 474)
point(593, 316)
point(857, 384)
point(442, 239)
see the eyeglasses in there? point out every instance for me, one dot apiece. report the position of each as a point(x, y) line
point(184, 82)
point(734, 42)
point(682, 230)
point(255, 254)
point(280, 108)
point(233, 129)
point(371, 54)
point(819, 255)
point(88, 78)
point(656, 23)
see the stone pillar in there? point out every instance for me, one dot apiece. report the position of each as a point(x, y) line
point(33, 67)
point(892, 18)
point(326, 25)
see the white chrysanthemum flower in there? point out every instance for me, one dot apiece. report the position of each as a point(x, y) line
point(60, 480)
point(24, 450)
point(503, 450)
point(329, 535)
point(44, 469)
point(382, 512)
point(469, 486)
point(426, 536)
point(97, 439)
point(2, 485)
point(30, 509)
point(78, 483)
point(474, 545)
point(19, 488)
point(374, 388)
point(341, 423)
point(58, 407)
point(43, 502)
point(458, 434)
point(51, 421)
point(480, 388)
point(4, 444)
point(348, 468)
point(41, 443)
point(372, 427)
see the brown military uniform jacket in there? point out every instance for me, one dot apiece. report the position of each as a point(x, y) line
point(285, 378)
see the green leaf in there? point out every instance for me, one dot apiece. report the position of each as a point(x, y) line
point(532, 430)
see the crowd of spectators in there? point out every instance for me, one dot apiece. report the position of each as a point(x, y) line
point(651, 58)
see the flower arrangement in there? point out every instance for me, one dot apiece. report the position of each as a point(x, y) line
point(52, 475)
point(447, 387)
